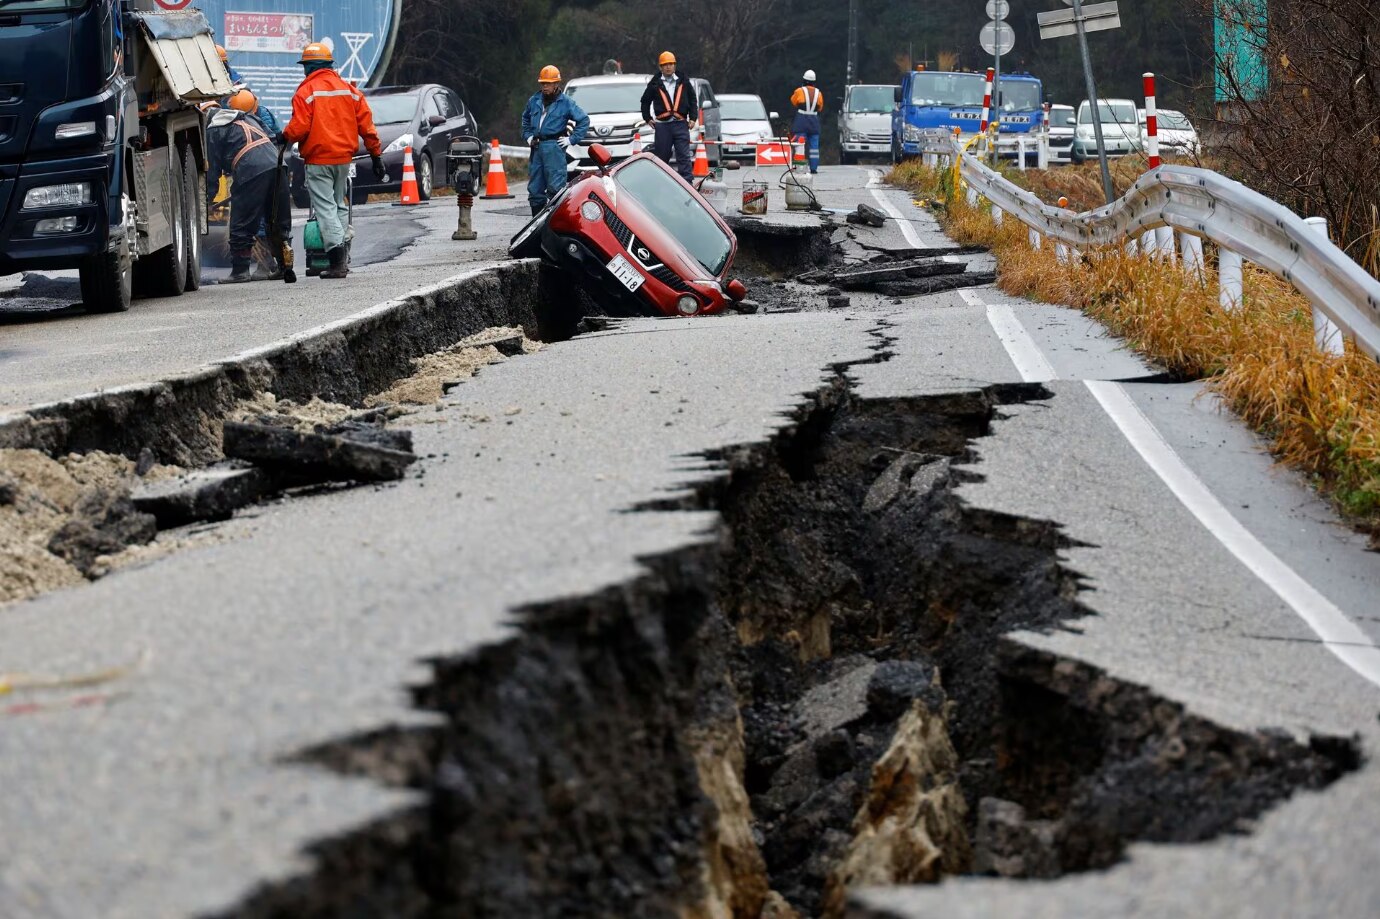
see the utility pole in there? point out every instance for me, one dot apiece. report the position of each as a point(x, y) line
point(852, 43)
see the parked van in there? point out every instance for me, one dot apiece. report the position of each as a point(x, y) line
point(865, 121)
point(1120, 129)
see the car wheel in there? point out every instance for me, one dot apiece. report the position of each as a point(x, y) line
point(424, 177)
point(164, 273)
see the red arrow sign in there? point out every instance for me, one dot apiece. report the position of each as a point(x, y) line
point(773, 154)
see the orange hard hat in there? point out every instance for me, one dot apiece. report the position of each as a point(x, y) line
point(220, 53)
point(316, 51)
point(244, 101)
point(549, 74)
point(666, 58)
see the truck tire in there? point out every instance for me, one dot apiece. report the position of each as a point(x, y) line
point(194, 213)
point(164, 273)
point(107, 283)
point(848, 159)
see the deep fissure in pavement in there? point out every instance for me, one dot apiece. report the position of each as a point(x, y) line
point(816, 696)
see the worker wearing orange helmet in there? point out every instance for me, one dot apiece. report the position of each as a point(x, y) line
point(329, 117)
point(552, 123)
point(670, 105)
point(238, 146)
point(263, 113)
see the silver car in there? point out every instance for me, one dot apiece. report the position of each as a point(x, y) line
point(746, 123)
point(1120, 129)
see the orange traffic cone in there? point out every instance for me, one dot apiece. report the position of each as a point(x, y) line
point(798, 144)
point(701, 166)
point(410, 194)
point(637, 143)
point(496, 185)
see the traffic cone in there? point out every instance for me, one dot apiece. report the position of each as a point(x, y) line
point(701, 166)
point(798, 148)
point(637, 143)
point(410, 194)
point(496, 184)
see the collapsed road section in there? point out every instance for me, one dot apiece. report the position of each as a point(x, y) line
point(817, 698)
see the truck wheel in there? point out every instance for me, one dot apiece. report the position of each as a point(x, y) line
point(106, 282)
point(194, 208)
point(847, 159)
point(164, 273)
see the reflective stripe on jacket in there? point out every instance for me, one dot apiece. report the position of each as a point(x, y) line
point(328, 118)
point(657, 104)
point(547, 122)
point(238, 142)
point(808, 100)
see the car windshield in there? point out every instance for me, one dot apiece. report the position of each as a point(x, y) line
point(672, 205)
point(946, 89)
point(871, 99)
point(1173, 121)
point(607, 98)
point(1108, 113)
point(393, 108)
point(1061, 115)
point(1019, 96)
point(743, 109)
point(44, 6)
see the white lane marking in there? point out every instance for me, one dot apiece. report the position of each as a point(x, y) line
point(1339, 634)
point(1030, 361)
point(913, 238)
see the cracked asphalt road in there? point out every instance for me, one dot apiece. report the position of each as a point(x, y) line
point(309, 619)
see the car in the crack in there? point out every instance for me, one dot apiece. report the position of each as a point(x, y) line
point(638, 238)
point(424, 117)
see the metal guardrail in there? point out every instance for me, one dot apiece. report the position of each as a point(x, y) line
point(1202, 204)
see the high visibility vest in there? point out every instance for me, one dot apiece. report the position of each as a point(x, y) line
point(253, 137)
point(672, 108)
point(811, 100)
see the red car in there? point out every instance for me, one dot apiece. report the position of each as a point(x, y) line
point(642, 240)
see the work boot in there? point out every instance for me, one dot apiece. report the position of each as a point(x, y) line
point(339, 268)
point(239, 271)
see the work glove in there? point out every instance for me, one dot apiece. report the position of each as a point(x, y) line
point(564, 142)
point(380, 172)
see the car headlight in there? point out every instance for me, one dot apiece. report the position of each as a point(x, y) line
point(687, 305)
point(75, 129)
point(912, 134)
point(591, 211)
point(397, 145)
point(68, 195)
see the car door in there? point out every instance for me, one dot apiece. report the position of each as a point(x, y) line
point(435, 144)
point(713, 118)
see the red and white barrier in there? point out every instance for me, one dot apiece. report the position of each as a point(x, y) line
point(1152, 131)
point(987, 99)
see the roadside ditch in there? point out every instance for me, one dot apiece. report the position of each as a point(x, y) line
point(821, 695)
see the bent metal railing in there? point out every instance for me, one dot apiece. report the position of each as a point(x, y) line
point(1198, 204)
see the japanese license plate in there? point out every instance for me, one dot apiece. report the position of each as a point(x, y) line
point(626, 274)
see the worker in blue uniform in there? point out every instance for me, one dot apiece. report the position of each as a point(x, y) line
point(551, 124)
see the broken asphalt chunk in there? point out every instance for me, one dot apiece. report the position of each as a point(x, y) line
point(315, 457)
point(214, 493)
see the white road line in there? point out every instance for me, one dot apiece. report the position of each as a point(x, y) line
point(913, 238)
point(1030, 361)
point(1340, 635)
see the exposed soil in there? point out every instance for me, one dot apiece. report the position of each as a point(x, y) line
point(819, 696)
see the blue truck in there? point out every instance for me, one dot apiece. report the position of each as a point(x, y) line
point(929, 100)
point(102, 146)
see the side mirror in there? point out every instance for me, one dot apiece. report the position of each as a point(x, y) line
point(601, 155)
point(435, 120)
point(736, 291)
point(773, 115)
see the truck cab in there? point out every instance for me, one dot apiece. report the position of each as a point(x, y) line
point(101, 159)
point(929, 100)
point(865, 121)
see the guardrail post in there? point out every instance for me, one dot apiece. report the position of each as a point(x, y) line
point(972, 196)
point(1327, 336)
point(1191, 248)
point(1164, 243)
point(1020, 152)
point(1132, 246)
point(1042, 152)
point(1034, 238)
point(1229, 281)
point(996, 215)
point(1061, 253)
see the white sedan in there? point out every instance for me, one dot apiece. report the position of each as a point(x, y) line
point(1176, 133)
point(745, 123)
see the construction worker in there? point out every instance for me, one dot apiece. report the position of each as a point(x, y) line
point(551, 123)
point(670, 105)
point(329, 116)
point(265, 115)
point(808, 102)
point(238, 146)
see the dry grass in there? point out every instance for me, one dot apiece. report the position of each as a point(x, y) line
point(1321, 411)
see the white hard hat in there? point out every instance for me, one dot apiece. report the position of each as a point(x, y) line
point(809, 76)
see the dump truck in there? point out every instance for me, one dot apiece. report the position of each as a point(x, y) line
point(102, 146)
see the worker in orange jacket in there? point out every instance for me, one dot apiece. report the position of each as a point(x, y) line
point(328, 117)
point(808, 102)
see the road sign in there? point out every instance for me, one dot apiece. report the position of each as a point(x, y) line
point(997, 37)
point(999, 9)
point(775, 153)
point(1096, 18)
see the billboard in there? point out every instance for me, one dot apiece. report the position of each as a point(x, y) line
point(265, 37)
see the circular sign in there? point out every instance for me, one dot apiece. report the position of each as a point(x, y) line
point(997, 38)
point(998, 9)
point(174, 4)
